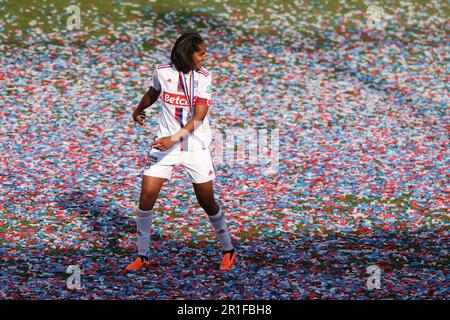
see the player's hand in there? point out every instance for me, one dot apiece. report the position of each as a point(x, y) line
point(163, 143)
point(139, 116)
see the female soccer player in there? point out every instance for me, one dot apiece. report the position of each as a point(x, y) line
point(183, 138)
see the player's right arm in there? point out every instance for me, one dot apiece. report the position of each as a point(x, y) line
point(149, 98)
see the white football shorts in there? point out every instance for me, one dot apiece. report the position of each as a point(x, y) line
point(198, 164)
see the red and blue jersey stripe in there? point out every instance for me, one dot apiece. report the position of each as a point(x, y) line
point(179, 118)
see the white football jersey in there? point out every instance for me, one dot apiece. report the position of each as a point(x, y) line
point(177, 107)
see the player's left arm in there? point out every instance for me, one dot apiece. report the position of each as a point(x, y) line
point(200, 112)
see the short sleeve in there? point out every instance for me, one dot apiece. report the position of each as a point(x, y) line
point(155, 80)
point(204, 91)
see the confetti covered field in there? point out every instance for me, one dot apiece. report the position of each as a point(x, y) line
point(358, 94)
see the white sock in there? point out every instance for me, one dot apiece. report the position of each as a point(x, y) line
point(144, 224)
point(220, 226)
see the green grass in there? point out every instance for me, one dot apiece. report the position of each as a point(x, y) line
point(98, 15)
point(352, 200)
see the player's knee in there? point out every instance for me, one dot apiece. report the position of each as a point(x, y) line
point(148, 194)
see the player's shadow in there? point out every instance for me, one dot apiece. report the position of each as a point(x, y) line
point(284, 257)
point(104, 224)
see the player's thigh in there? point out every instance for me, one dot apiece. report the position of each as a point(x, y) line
point(151, 186)
point(204, 191)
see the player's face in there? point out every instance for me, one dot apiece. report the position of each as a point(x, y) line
point(199, 56)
